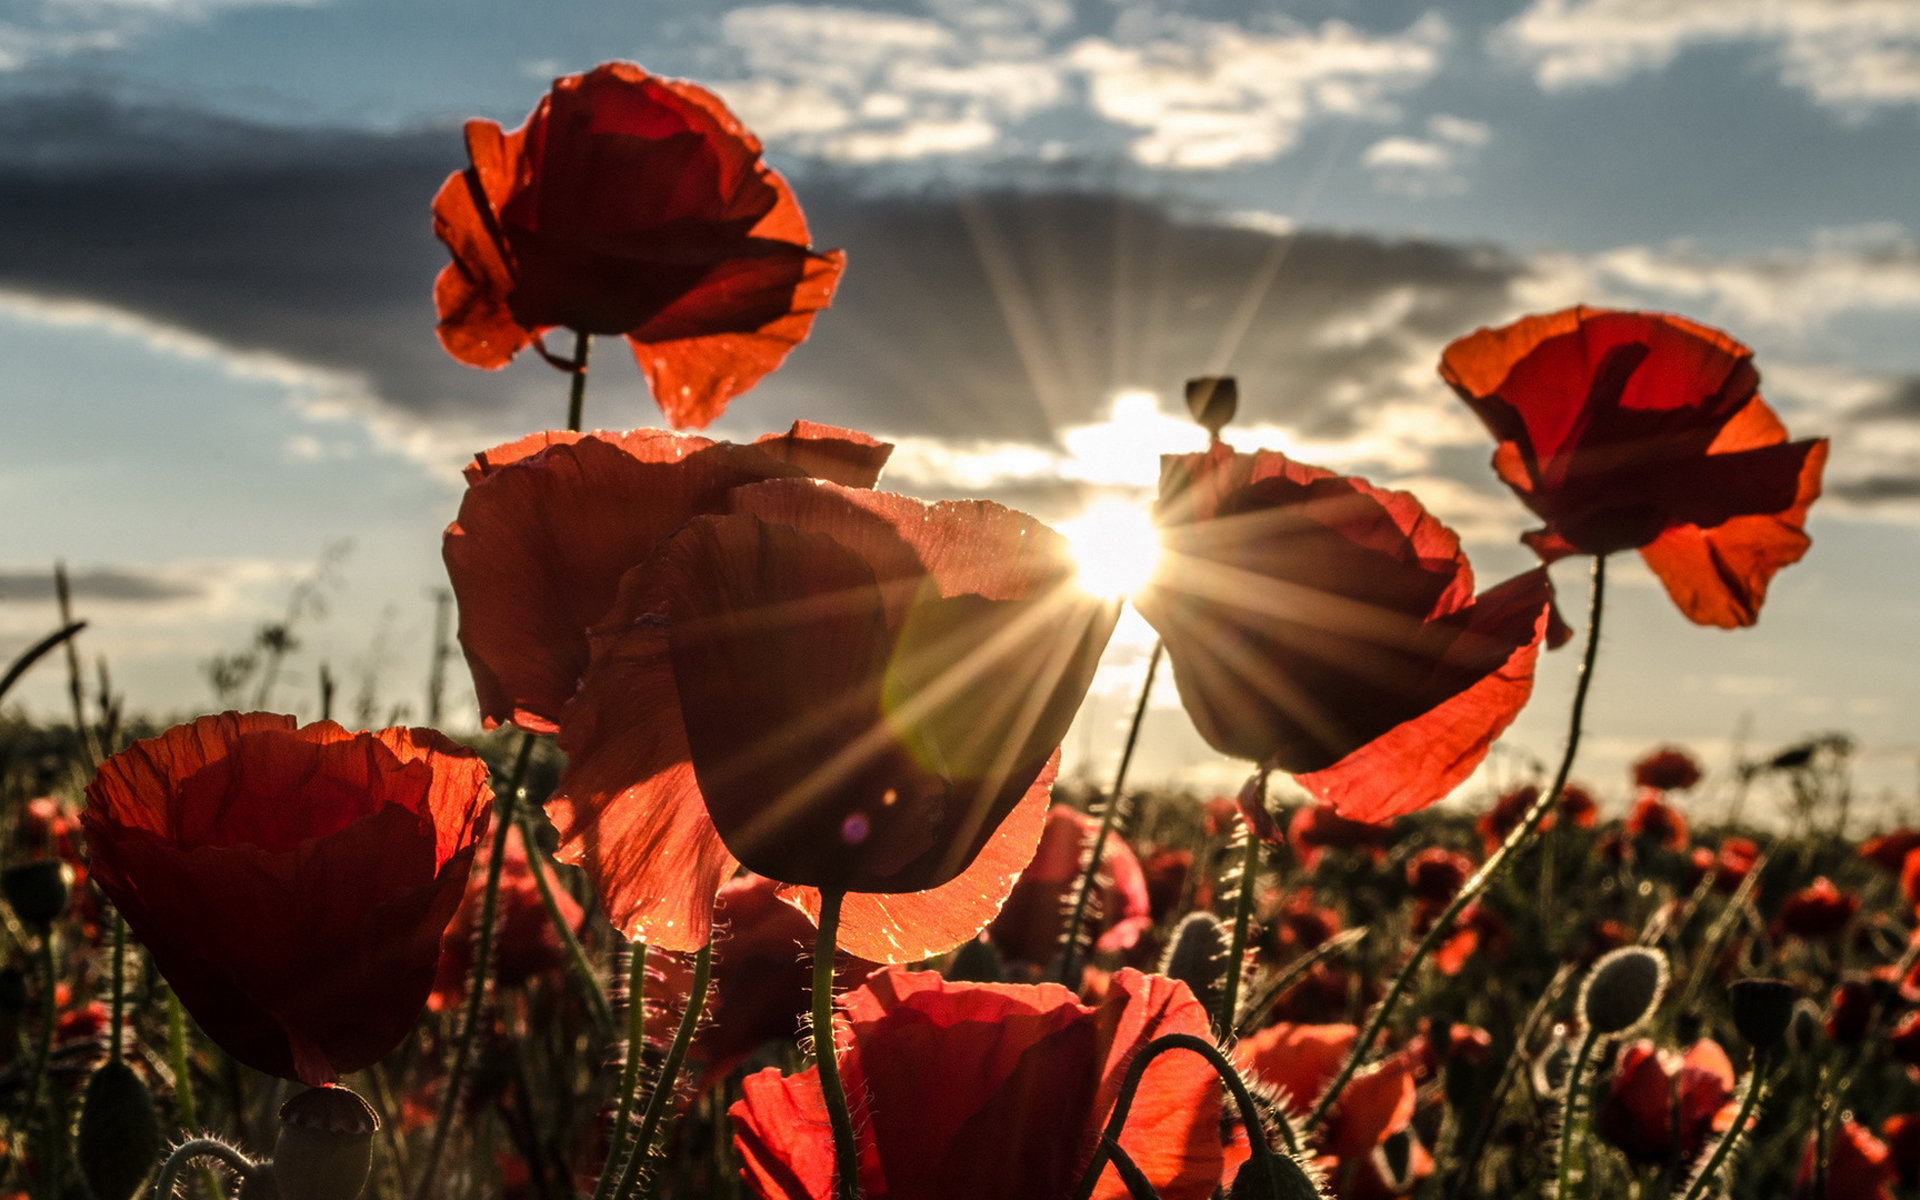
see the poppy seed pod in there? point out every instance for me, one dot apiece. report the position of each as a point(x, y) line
point(325, 1149)
point(1213, 400)
point(1762, 1009)
point(1287, 1181)
point(1195, 955)
point(1623, 989)
point(119, 1140)
point(976, 962)
point(36, 891)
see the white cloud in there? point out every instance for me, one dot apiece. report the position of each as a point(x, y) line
point(1431, 165)
point(55, 29)
point(965, 79)
point(1847, 54)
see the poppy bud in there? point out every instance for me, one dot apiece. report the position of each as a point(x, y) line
point(1195, 954)
point(976, 962)
point(119, 1138)
point(1762, 1009)
point(36, 891)
point(325, 1149)
point(1213, 400)
point(1287, 1181)
point(1623, 989)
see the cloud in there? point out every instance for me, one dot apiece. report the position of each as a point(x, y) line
point(111, 584)
point(1431, 165)
point(1851, 55)
point(1018, 80)
point(35, 32)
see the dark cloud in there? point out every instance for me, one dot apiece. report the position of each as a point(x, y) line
point(996, 315)
point(1902, 403)
point(1870, 489)
point(106, 583)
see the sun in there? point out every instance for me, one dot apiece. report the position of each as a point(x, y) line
point(1115, 545)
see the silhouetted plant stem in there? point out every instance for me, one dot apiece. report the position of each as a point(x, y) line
point(1702, 1181)
point(576, 954)
point(34, 653)
point(199, 1148)
point(1070, 952)
point(503, 818)
point(846, 1155)
point(119, 988)
point(1516, 1061)
point(661, 1099)
point(629, 1068)
point(1250, 1112)
point(1573, 1119)
point(1489, 870)
point(1223, 1020)
point(42, 1053)
point(577, 387)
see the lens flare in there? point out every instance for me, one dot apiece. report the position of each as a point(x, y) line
point(1116, 547)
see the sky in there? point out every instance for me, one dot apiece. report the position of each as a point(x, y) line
point(223, 387)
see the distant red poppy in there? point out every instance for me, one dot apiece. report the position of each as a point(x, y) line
point(1910, 877)
point(1902, 1131)
point(1850, 1011)
point(1328, 628)
point(1819, 910)
point(838, 689)
point(1575, 804)
point(290, 882)
point(1166, 870)
point(1890, 849)
point(1317, 828)
point(1629, 430)
point(1654, 820)
point(1731, 863)
point(1859, 1166)
point(1031, 923)
point(965, 1091)
point(1479, 930)
point(1435, 874)
point(1904, 1039)
point(1661, 1105)
point(551, 522)
point(1301, 923)
point(525, 943)
point(1378, 1105)
point(630, 204)
point(1668, 769)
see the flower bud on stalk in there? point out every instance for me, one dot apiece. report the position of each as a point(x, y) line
point(36, 891)
point(325, 1149)
point(1213, 400)
point(1762, 1010)
point(1623, 990)
point(119, 1139)
point(1195, 956)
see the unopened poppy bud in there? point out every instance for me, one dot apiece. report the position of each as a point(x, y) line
point(1762, 1010)
point(119, 1139)
point(976, 962)
point(36, 891)
point(325, 1150)
point(1622, 990)
point(1195, 955)
point(1287, 1181)
point(1213, 400)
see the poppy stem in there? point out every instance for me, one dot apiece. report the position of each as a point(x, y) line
point(661, 1099)
point(1138, 1185)
point(629, 1068)
point(1109, 818)
point(1476, 1142)
point(1224, 1020)
point(1568, 1170)
point(1756, 1092)
point(846, 1154)
point(119, 987)
point(503, 819)
point(1263, 1159)
point(576, 954)
point(1489, 870)
point(199, 1148)
point(42, 1054)
point(577, 389)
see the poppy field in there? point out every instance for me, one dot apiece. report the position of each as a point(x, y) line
point(761, 878)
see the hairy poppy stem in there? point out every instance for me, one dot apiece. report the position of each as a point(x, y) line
point(1489, 870)
point(577, 389)
point(43, 1053)
point(504, 806)
point(1704, 1178)
point(1573, 1119)
point(629, 1068)
point(846, 1155)
point(1224, 1020)
point(199, 1148)
point(1250, 1114)
point(1109, 817)
point(661, 1098)
point(576, 954)
point(1476, 1142)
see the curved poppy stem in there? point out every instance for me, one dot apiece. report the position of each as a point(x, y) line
point(199, 1148)
point(1138, 1185)
point(34, 653)
point(503, 819)
point(1109, 817)
point(1723, 1149)
point(1224, 1019)
point(576, 954)
point(629, 1069)
point(846, 1154)
point(1573, 1119)
point(664, 1087)
point(1250, 1112)
point(577, 388)
point(1489, 870)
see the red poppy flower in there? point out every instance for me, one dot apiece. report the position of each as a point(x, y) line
point(1731, 864)
point(974, 1090)
point(1325, 627)
point(1654, 820)
point(290, 882)
point(1299, 1061)
point(1031, 922)
point(525, 944)
point(1850, 1011)
point(1668, 769)
point(1902, 1131)
point(629, 204)
point(551, 522)
point(1575, 804)
point(1435, 874)
point(1317, 828)
point(1480, 930)
point(1819, 910)
point(1859, 1166)
point(1662, 1105)
point(1300, 922)
point(1890, 849)
point(1627, 430)
point(837, 688)
point(1166, 871)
